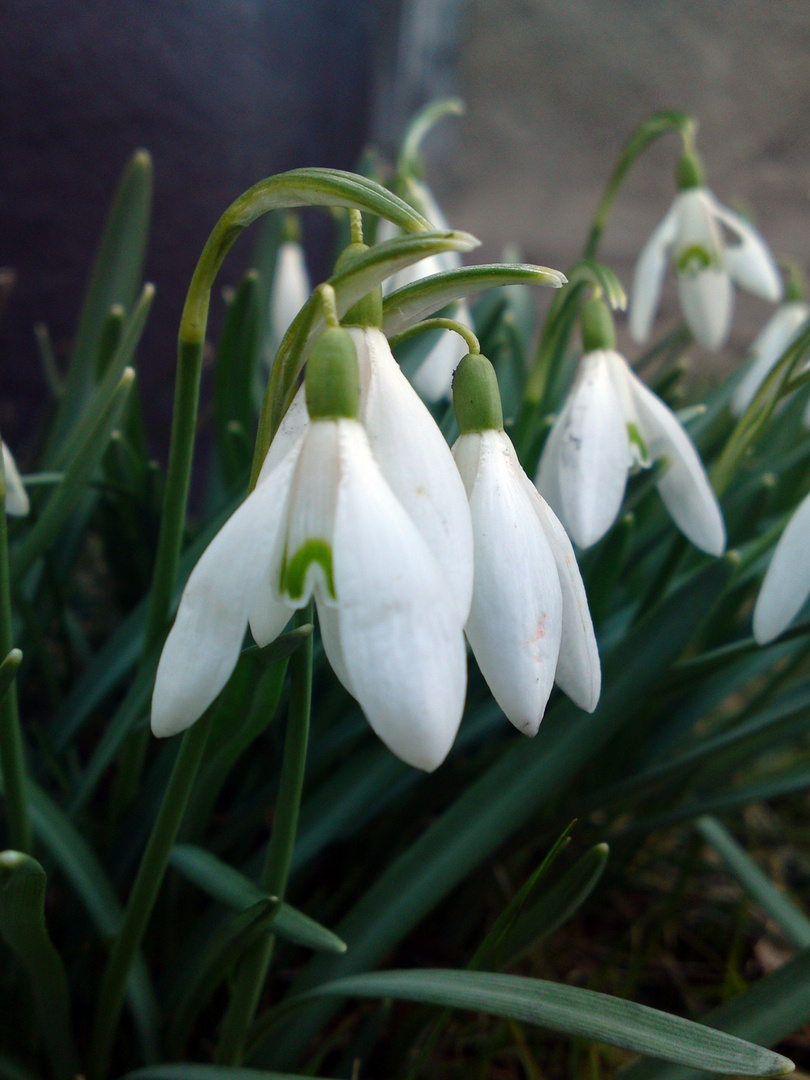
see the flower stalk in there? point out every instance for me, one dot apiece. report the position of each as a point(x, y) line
point(12, 756)
point(143, 896)
point(253, 968)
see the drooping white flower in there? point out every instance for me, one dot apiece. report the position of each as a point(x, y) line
point(529, 624)
point(610, 423)
point(291, 287)
point(17, 504)
point(691, 236)
point(778, 334)
point(434, 376)
point(413, 455)
point(786, 585)
point(324, 521)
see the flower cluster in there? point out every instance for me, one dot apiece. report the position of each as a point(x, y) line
point(361, 506)
point(705, 265)
point(610, 424)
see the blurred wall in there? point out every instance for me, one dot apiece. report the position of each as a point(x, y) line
point(554, 88)
point(222, 92)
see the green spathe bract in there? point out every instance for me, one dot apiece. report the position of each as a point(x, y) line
point(476, 398)
point(598, 331)
point(332, 379)
point(368, 310)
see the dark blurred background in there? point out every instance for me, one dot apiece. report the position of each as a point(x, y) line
point(225, 93)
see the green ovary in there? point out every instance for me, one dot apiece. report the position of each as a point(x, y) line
point(294, 570)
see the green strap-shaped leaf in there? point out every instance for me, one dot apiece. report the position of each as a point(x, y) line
point(517, 786)
point(115, 279)
point(22, 924)
point(76, 860)
point(237, 356)
point(77, 476)
point(286, 191)
point(768, 1011)
point(189, 1071)
point(228, 886)
point(758, 885)
point(214, 963)
point(554, 907)
point(98, 398)
point(572, 1011)
point(407, 306)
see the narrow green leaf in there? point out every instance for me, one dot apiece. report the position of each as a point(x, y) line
point(286, 191)
point(768, 1011)
point(189, 1071)
point(77, 476)
point(553, 908)
point(526, 778)
point(489, 948)
point(22, 924)
point(234, 369)
point(214, 963)
point(114, 279)
point(792, 920)
point(573, 1011)
point(228, 886)
point(8, 669)
point(99, 398)
point(407, 306)
point(12, 1070)
point(76, 860)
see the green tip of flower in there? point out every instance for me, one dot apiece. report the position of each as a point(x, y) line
point(332, 382)
point(690, 173)
point(596, 322)
point(368, 310)
point(476, 397)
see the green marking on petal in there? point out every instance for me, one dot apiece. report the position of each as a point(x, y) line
point(694, 259)
point(638, 446)
point(294, 571)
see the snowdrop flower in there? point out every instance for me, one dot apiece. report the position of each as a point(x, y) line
point(611, 423)
point(434, 376)
point(778, 334)
point(529, 624)
point(705, 264)
point(291, 285)
point(17, 504)
point(323, 521)
point(786, 586)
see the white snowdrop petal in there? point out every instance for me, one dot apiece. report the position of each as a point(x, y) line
point(416, 462)
point(749, 262)
point(684, 486)
point(787, 581)
point(649, 275)
point(17, 504)
point(329, 623)
point(401, 639)
point(587, 454)
point(779, 332)
point(579, 672)
point(203, 646)
point(291, 432)
point(707, 303)
point(291, 287)
point(516, 617)
point(311, 515)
